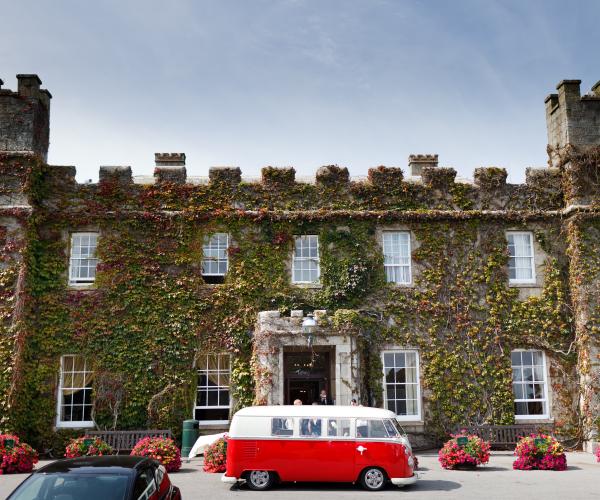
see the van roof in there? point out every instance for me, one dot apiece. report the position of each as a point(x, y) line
point(314, 411)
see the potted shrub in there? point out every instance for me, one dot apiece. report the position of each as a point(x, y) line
point(87, 446)
point(539, 451)
point(162, 449)
point(16, 456)
point(215, 456)
point(464, 451)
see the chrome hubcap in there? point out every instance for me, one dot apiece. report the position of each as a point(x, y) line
point(259, 478)
point(374, 478)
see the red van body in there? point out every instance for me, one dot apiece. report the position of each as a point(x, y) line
point(319, 443)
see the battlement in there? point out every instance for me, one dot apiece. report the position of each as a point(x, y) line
point(278, 188)
point(25, 117)
point(573, 120)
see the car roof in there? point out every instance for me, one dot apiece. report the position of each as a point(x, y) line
point(112, 464)
point(315, 411)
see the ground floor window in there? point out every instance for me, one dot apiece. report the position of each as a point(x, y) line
point(212, 398)
point(74, 392)
point(529, 384)
point(401, 384)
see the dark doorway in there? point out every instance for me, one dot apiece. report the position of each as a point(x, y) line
point(306, 374)
point(306, 391)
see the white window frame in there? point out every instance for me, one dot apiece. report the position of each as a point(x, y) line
point(305, 259)
point(72, 259)
point(207, 243)
point(385, 266)
point(79, 424)
point(219, 387)
point(405, 418)
point(532, 280)
point(546, 401)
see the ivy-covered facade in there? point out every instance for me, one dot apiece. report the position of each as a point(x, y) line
point(139, 303)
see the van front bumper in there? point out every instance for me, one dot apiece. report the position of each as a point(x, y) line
point(404, 481)
point(228, 479)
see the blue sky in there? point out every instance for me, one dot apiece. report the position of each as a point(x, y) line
point(303, 83)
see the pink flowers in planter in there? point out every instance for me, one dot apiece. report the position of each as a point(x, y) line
point(162, 449)
point(87, 447)
point(16, 456)
point(215, 456)
point(539, 451)
point(472, 451)
point(598, 454)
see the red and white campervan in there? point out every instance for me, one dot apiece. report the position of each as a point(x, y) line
point(318, 443)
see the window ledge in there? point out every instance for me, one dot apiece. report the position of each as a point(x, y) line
point(532, 284)
point(75, 425)
point(307, 285)
point(82, 286)
point(538, 420)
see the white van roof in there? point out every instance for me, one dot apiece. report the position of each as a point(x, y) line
point(315, 411)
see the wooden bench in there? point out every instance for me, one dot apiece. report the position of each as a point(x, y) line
point(126, 440)
point(504, 436)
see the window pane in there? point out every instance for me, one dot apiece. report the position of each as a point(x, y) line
point(401, 382)
point(282, 426)
point(530, 397)
point(83, 260)
point(215, 255)
point(213, 386)
point(310, 427)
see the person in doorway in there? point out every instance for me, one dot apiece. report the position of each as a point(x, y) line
point(353, 402)
point(297, 402)
point(323, 399)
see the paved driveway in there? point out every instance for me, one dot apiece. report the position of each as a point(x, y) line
point(495, 481)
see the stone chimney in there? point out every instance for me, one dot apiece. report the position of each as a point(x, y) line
point(417, 162)
point(170, 167)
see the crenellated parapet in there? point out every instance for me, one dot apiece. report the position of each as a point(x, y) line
point(385, 188)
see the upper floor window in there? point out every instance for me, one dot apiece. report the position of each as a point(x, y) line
point(401, 383)
point(305, 262)
point(215, 261)
point(83, 261)
point(529, 384)
point(74, 392)
point(212, 400)
point(396, 257)
point(521, 267)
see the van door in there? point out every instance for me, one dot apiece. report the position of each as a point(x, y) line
point(338, 452)
point(374, 449)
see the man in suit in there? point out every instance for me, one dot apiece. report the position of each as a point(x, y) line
point(323, 399)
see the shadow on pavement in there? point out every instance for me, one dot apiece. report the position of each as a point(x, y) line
point(421, 485)
point(434, 485)
point(183, 470)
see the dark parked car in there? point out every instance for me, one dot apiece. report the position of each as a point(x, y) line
point(99, 478)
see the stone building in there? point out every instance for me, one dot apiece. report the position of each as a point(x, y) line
point(143, 301)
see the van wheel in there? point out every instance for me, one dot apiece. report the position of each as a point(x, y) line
point(373, 479)
point(260, 479)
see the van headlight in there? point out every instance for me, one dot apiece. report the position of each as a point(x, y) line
point(411, 462)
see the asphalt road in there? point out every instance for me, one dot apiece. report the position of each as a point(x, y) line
point(497, 480)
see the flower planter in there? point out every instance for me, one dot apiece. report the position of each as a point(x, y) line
point(464, 452)
point(539, 451)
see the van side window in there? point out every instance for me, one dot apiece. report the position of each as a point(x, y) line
point(370, 429)
point(377, 429)
point(310, 427)
point(391, 428)
point(338, 427)
point(282, 426)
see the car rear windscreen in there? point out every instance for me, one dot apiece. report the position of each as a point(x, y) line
point(73, 487)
